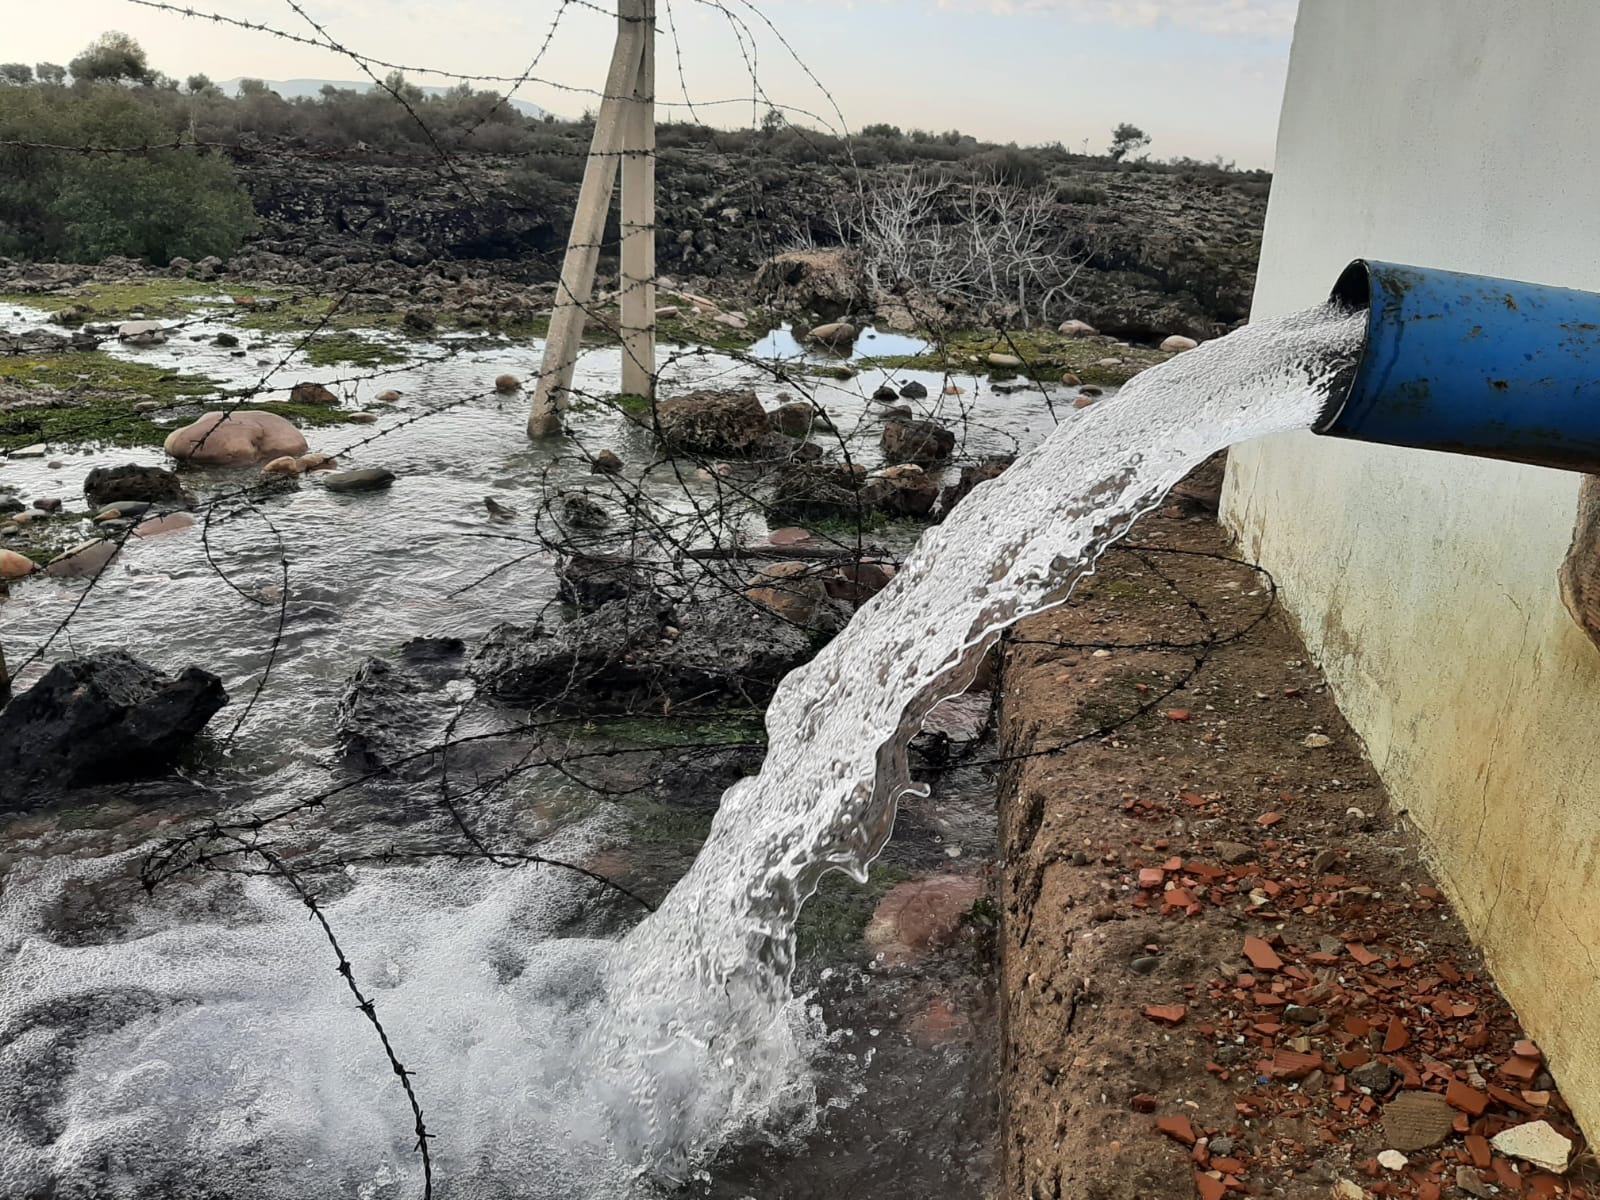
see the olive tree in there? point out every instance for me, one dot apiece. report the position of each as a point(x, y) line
point(111, 58)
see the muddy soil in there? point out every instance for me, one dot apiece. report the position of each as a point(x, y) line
point(1225, 969)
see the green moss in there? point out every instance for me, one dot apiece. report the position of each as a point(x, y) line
point(154, 297)
point(833, 920)
point(330, 349)
point(95, 396)
point(1047, 357)
point(743, 726)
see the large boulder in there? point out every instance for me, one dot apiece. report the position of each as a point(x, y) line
point(103, 718)
point(903, 491)
point(713, 422)
point(106, 485)
point(235, 439)
point(830, 282)
point(924, 442)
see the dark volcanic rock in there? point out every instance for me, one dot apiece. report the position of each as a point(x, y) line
point(714, 422)
point(590, 581)
point(103, 485)
point(629, 656)
point(818, 491)
point(392, 710)
point(103, 718)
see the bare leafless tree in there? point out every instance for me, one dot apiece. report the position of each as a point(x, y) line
point(992, 248)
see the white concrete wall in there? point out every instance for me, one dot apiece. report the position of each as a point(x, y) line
point(1462, 134)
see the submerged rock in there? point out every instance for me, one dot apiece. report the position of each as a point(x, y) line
point(103, 718)
point(392, 710)
point(235, 439)
point(312, 393)
point(632, 655)
point(106, 485)
point(924, 442)
point(367, 479)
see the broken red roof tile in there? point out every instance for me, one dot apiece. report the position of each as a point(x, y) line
point(1177, 1128)
point(1261, 955)
point(1396, 1036)
point(1291, 1064)
point(1468, 1099)
point(1361, 954)
point(1478, 1148)
point(1268, 820)
point(1167, 1014)
point(1527, 1049)
point(1209, 1188)
point(1519, 1069)
point(1151, 877)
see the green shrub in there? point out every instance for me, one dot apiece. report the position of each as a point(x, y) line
point(155, 205)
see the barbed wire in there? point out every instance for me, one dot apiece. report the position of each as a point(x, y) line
point(678, 522)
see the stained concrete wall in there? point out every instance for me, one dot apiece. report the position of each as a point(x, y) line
point(1458, 134)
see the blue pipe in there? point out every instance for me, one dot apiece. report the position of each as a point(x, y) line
point(1471, 365)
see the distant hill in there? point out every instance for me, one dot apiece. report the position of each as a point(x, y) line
point(292, 89)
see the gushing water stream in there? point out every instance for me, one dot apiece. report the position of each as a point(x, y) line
point(217, 1058)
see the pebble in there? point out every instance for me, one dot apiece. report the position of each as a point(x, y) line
point(286, 465)
point(148, 406)
point(1145, 965)
point(1393, 1160)
point(1317, 741)
point(316, 462)
point(507, 383)
point(389, 397)
point(1004, 360)
point(120, 509)
point(1373, 1076)
point(1301, 1015)
point(1467, 1180)
point(50, 505)
point(605, 463)
point(362, 418)
point(367, 479)
point(37, 450)
point(1071, 380)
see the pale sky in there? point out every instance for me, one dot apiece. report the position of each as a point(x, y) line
point(1203, 77)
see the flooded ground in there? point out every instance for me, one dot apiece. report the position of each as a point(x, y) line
point(902, 1054)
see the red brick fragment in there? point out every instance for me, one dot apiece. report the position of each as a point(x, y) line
point(1519, 1069)
point(1261, 955)
point(1167, 1014)
point(1145, 1103)
point(1178, 714)
point(1468, 1099)
point(1351, 1059)
point(1291, 1064)
point(1361, 954)
point(1478, 1148)
point(1209, 1188)
point(1268, 820)
point(1177, 1128)
point(1151, 877)
point(1396, 1037)
point(1527, 1049)
point(1228, 1166)
point(1428, 1190)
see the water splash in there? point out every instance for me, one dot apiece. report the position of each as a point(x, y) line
point(205, 1051)
point(692, 1032)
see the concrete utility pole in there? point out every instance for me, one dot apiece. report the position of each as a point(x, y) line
point(624, 130)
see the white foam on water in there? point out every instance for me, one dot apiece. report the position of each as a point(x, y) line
point(212, 1051)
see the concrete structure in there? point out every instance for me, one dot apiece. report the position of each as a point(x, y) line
point(1457, 134)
